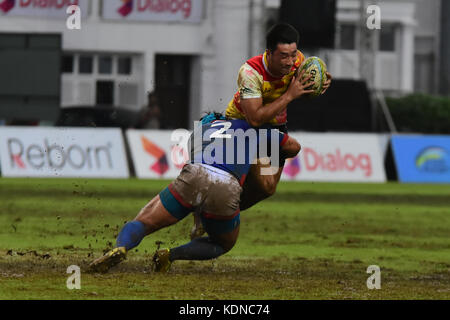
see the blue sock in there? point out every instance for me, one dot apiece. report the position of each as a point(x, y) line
point(131, 235)
point(197, 249)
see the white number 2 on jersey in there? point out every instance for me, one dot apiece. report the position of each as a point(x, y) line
point(219, 134)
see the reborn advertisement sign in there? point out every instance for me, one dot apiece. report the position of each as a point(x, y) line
point(62, 152)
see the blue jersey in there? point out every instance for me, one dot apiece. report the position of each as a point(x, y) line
point(233, 146)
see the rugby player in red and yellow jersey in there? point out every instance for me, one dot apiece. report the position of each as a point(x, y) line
point(266, 85)
point(258, 87)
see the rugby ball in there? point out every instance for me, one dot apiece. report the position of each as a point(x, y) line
point(315, 67)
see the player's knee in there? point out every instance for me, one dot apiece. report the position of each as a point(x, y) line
point(298, 147)
point(228, 245)
point(295, 147)
point(291, 148)
point(227, 241)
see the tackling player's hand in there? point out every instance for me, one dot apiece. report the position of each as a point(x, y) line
point(299, 86)
point(327, 84)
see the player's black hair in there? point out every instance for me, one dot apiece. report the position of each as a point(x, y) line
point(215, 113)
point(212, 115)
point(282, 33)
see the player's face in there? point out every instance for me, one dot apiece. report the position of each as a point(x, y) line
point(282, 59)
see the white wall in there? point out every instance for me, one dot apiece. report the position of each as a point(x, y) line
point(394, 71)
point(220, 43)
point(227, 52)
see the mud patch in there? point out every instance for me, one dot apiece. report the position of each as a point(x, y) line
point(33, 253)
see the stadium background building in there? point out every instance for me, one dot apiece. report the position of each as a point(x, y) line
point(190, 52)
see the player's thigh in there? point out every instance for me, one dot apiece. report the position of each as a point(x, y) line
point(155, 216)
point(173, 203)
point(221, 213)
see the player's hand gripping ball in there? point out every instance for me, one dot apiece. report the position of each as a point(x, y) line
point(315, 67)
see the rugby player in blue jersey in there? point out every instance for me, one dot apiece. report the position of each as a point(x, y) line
point(222, 152)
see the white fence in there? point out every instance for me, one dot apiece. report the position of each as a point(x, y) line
point(157, 154)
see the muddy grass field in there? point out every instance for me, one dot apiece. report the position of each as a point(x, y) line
point(310, 241)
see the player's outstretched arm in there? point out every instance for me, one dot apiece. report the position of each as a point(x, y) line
point(257, 115)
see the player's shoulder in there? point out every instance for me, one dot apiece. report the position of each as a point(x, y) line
point(256, 63)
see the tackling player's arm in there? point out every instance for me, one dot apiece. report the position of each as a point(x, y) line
point(257, 115)
point(290, 148)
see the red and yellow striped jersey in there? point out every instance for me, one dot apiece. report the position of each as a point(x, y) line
point(255, 81)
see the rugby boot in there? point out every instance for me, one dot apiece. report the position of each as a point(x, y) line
point(161, 261)
point(109, 260)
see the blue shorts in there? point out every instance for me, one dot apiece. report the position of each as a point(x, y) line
point(213, 224)
point(173, 203)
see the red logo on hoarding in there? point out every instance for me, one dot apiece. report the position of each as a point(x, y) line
point(7, 5)
point(292, 168)
point(126, 8)
point(179, 156)
point(166, 6)
point(45, 4)
point(18, 161)
point(337, 161)
point(160, 166)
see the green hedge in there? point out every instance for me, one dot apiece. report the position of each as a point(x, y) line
point(421, 113)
